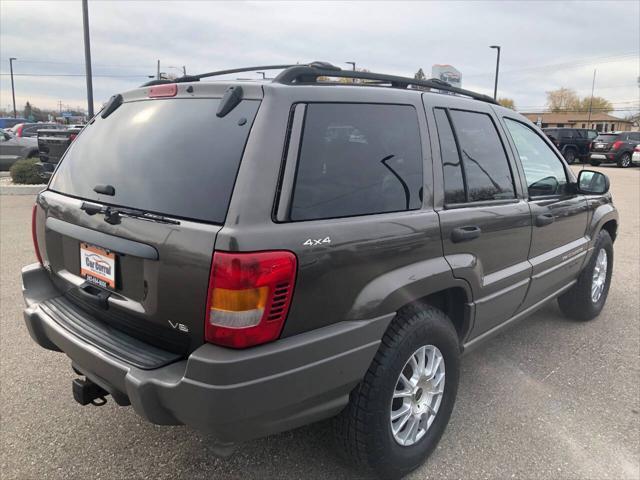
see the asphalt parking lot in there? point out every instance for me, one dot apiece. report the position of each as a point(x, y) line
point(549, 398)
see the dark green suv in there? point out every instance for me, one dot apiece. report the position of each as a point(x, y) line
point(246, 258)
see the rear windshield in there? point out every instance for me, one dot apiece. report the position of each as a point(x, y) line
point(606, 138)
point(169, 156)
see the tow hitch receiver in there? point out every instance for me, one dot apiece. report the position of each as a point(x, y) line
point(86, 392)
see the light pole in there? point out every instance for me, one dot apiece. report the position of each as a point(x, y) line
point(495, 87)
point(13, 91)
point(87, 57)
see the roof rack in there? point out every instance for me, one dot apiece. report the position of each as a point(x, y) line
point(305, 74)
point(196, 78)
point(309, 74)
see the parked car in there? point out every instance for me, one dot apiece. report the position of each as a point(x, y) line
point(573, 143)
point(635, 158)
point(13, 148)
point(263, 269)
point(614, 147)
point(52, 143)
point(8, 122)
point(31, 129)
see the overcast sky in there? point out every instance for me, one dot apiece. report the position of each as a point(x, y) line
point(545, 45)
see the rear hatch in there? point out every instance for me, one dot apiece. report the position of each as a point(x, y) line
point(603, 142)
point(132, 212)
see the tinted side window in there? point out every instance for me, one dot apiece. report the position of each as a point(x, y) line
point(357, 159)
point(635, 136)
point(486, 168)
point(454, 191)
point(543, 171)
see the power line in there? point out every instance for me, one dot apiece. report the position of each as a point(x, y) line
point(564, 65)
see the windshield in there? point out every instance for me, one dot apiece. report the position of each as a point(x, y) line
point(170, 156)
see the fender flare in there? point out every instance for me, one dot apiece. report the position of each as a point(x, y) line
point(392, 290)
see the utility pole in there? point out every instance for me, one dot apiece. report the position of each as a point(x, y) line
point(495, 87)
point(13, 91)
point(158, 71)
point(87, 56)
point(184, 70)
point(593, 86)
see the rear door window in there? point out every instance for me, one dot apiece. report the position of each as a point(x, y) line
point(170, 156)
point(357, 159)
point(484, 162)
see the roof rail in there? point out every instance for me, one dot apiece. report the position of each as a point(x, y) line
point(304, 74)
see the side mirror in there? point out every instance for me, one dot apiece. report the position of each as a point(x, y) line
point(592, 183)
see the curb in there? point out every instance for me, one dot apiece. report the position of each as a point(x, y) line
point(21, 189)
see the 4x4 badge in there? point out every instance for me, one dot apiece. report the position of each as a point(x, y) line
point(311, 242)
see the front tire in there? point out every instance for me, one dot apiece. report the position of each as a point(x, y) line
point(625, 160)
point(586, 299)
point(396, 381)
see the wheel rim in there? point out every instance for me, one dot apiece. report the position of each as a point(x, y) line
point(570, 157)
point(626, 160)
point(599, 276)
point(417, 395)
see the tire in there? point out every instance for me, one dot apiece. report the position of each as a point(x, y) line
point(578, 303)
point(363, 429)
point(625, 160)
point(569, 155)
point(594, 163)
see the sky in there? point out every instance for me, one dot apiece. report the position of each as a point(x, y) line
point(545, 44)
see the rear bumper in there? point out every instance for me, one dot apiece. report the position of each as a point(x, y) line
point(604, 156)
point(233, 394)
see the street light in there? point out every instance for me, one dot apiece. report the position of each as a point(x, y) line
point(13, 92)
point(495, 87)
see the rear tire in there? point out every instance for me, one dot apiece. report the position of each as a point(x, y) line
point(570, 156)
point(364, 428)
point(625, 160)
point(581, 302)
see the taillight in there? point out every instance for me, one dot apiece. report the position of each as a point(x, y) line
point(616, 145)
point(249, 297)
point(19, 130)
point(33, 233)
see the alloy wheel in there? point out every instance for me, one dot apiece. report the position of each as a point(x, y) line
point(417, 395)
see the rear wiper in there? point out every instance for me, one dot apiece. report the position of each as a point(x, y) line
point(112, 215)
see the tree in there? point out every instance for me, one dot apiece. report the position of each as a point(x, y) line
point(562, 99)
point(567, 100)
point(27, 111)
point(599, 105)
point(507, 102)
point(419, 75)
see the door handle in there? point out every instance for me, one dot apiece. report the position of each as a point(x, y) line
point(463, 234)
point(545, 219)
